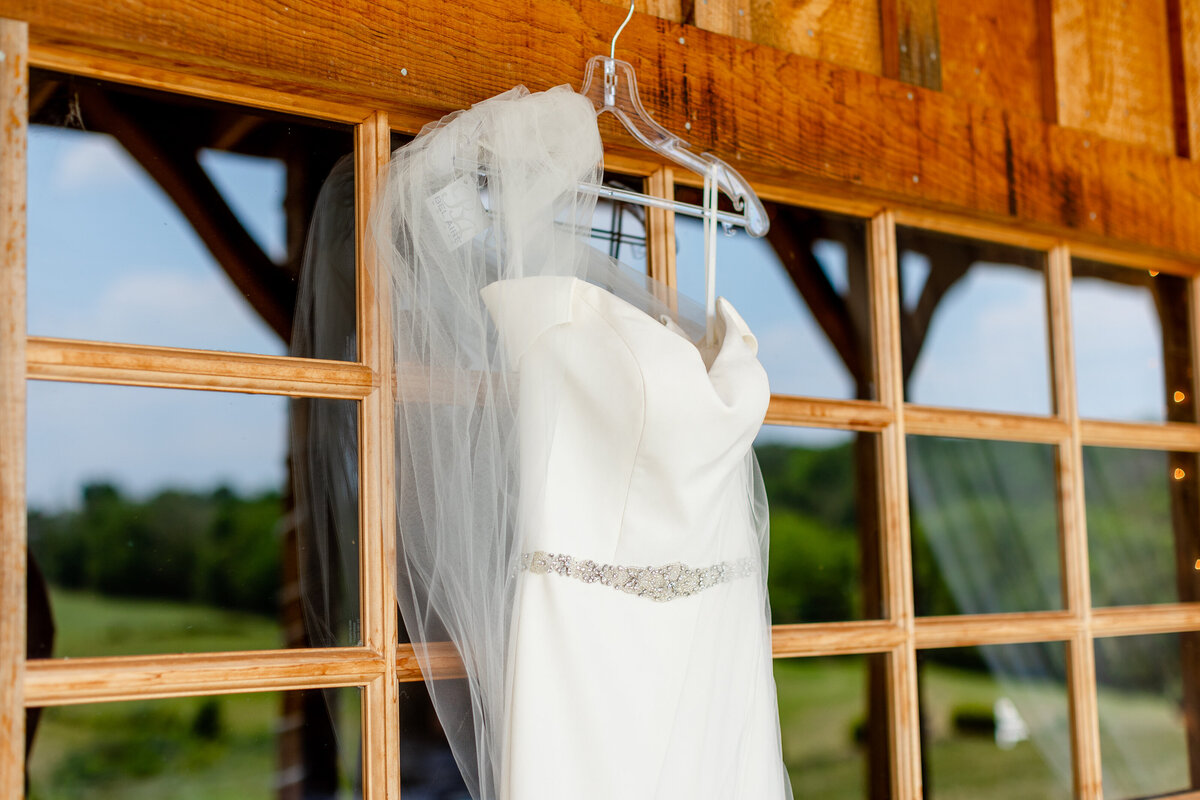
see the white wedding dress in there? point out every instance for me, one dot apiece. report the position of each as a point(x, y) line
point(579, 509)
point(642, 683)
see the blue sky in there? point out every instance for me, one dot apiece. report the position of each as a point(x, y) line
point(111, 259)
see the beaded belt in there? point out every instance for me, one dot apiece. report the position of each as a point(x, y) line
point(663, 583)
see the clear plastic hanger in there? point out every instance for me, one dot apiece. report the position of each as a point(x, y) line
point(611, 85)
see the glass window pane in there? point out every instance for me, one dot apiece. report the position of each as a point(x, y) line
point(1132, 351)
point(168, 521)
point(187, 218)
point(427, 766)
point(973, 323)
point(803, 291)
point(1145, 708)
point(619, 229)
point(834, 742)
point(995, 722)
point(1143, 541)
point(822, 492)
point(260, 746)
point(984, 526)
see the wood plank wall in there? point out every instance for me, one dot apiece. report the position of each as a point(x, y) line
point(987, 145)
point(1127, 71)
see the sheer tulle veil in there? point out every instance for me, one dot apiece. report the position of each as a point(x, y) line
point(488, 194)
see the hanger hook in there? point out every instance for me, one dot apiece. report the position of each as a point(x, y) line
point(612, 52)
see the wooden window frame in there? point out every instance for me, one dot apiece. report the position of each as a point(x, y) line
point(380, 663)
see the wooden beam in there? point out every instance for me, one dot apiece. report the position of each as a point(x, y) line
point(835, 638)
point(177, 368)
point(984, 629)
point(792, 235)
point(855, 415)
point(935, 421)
point(56, 682)
point(173, 165)
point(806, 126)
point(1177, 436)
point(14, 98)
point(1142, 620)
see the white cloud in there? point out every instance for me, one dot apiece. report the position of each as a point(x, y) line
point(167, 307)
point(799, 360)
point(92, 161)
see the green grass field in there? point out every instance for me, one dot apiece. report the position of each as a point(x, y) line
point(88, 624)
point(225, 748)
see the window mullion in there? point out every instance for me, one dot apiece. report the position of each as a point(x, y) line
point(377, 513)
point(1076, 585)
point(901, 679)
point(660, 228)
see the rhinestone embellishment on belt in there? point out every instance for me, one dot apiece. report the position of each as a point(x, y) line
point(663, 583)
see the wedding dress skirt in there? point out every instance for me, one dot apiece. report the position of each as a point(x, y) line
point(640, 661)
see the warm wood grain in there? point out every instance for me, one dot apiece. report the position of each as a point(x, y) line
point(1179, 436)
point(807, 124)
point(835, 638)
point(1137, 258)
point(856, 415)
point(935, 421)
point(911, 43)
point(660, 228)
point(973, 229)
point(839, 201)
point(442, 658)
point(1073, 554)
point(54, 682)
point(177, 368)
point(1112, 70)
point(842, 32)
point(904, 738)
point(968, 631)
point(376, 469)
point(1134, 620)
point(726, 17)
point(667, 9)
point(217, 85)
point(994, 52)
point(14, 98)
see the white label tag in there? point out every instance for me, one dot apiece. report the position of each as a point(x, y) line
point(460, 212)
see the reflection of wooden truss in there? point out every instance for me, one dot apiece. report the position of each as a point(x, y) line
point(171, 161)
point(166, 141)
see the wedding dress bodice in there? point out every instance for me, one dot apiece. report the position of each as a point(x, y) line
point(639, 663)
point(648, 432)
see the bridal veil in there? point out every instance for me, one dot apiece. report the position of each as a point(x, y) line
point(486, 195)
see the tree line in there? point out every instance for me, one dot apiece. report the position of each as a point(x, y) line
point(217, 548)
